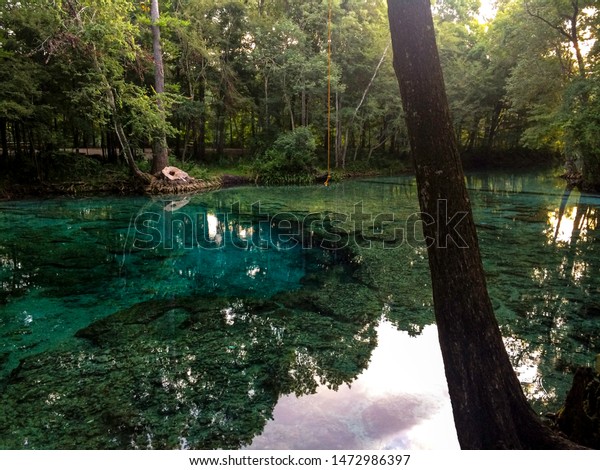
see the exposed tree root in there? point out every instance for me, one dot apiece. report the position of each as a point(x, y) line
point(163, 185)
point(579, 418)
point(573, 178)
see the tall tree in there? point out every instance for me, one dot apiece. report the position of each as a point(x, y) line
point(550, 82)
point(160, 151)
point(490, 409)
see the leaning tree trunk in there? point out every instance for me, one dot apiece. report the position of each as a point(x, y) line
point(118, 126)
point(490, 409)
point(160, 151)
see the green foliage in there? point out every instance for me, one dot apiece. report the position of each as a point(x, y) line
point(456, 10)
point(581, 114)
point(192, 169)
point(20, 87)
point(239, 74)
point(290, 160)
point(143, 116)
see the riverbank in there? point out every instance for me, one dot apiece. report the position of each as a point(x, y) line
point(73, 174)
point(86, 176)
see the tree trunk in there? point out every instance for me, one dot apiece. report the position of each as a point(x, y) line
point(266, 123)
point(118, 126)
point(494, 123)
point(362, 100)
point(575, 40)
point(16, 128)
point(303, 97)
point(160, 151)
point(3, 142)
point(490, 409)
point(339, 158)
point(200, 150)
point(220, 134)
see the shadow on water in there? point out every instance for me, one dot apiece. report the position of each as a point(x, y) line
point(192, 322)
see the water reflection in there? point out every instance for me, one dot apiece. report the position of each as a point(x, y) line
point(176, 367)
point(198, 320)
point(197, 373)
point(380, 410)
point(65, 264)
point(573, 222)
point(540, 253)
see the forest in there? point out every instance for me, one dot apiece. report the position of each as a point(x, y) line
point(271, 87)
point(109, 301)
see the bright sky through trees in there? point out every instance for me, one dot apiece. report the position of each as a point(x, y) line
point(487, 10)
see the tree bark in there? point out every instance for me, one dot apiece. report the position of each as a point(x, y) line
point(339, 158)
point(3, 142)
point(201, 150)
point(160, 151)
point(489, 407)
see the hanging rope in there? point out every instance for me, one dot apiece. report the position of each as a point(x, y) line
point(329, 95)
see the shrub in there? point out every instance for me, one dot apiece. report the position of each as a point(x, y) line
point(290, 160)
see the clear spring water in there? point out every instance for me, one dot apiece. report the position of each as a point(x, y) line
point(209, 321)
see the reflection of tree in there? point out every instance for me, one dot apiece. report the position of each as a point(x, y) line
point(546, 293)
point(197, 372)
point(403, 287)
point(14, 280)
point(561, 210)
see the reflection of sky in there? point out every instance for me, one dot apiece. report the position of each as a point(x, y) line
point(400, 402)
point(526, 360)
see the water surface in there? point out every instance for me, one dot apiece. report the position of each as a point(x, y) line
point(211, 321)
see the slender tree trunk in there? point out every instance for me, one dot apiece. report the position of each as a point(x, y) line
point(575, 39)
point(338, 133)
point(490, 409)
point(103, 144)
point(266, 120)
point(288, 102)
point(200, 142)
point(494, 123)
point(220, 110)
point(304, 110)
point(3, 142)
point(119, 131)
point(362, 100)
point(16, 128)
point(160, 151)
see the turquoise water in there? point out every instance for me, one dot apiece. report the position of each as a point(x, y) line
point(189, 322)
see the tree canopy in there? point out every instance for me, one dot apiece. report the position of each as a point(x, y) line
point(238, 74)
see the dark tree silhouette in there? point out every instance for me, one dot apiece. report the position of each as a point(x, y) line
point(490, 409)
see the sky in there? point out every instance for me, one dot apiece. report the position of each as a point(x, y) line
point(487, 10)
